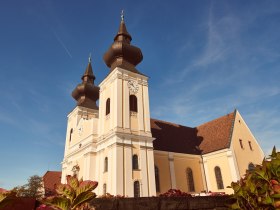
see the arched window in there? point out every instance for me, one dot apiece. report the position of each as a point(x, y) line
point(190, 181)
point(104, 189)
point(157, 179)
point(108, 106)
point(219, 178)
point(106, 164)
point(71, 132)
point(136, 189)
point(133, 103)
point(135, 162)
point(251, 167)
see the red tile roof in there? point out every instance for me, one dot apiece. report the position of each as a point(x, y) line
point(208, 137)
point(216, 134)
point(51, 179)
point(2, 190)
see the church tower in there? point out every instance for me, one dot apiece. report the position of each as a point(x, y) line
point(113, 144)
point(82, 128)
point(125, 164)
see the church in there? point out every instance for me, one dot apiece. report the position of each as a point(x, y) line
point(117, 143)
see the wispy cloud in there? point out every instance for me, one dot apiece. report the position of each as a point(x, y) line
point(62, 44)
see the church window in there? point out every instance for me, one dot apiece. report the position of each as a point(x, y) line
point(250, 145)
point(190, 179)
point(108, 106)
point(136, 189)
point(241, 144)
point(219, 178)
point(133, 103)
point(157, 179)
point(71, 132)
point(106, 164)
point(135, 162)
point(104, 189)
point(251, 167)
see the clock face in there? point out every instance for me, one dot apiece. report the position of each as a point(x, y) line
point(133, 86)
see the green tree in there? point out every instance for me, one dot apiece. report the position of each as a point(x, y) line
point(34, 188)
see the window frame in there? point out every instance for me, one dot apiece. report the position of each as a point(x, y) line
point(133, 106)
point(190, 180)
point(106, 164)
point(135, 162)
point(219, 178)
point(157, 179)
point(108, 106)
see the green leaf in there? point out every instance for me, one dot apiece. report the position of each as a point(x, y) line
point(58, 202)
point(83, 198)
point(267, 200)
point(66, 190)
point(235, 206)
point(86, 186)
point(276, 195)
point(73, 182)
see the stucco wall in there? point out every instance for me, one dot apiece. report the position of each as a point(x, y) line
point(245, 156)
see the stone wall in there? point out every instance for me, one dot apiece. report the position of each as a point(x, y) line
point(161, 203)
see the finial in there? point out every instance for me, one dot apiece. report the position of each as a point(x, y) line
point(89, 58)
point(122, 15)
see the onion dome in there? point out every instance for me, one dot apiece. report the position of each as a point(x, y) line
point(122, 53)
point(86, 94)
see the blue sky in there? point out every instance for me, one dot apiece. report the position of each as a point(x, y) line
point(204, 59)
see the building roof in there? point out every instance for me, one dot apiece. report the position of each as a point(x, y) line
point(208, 137)
point(121, 53)
point(175, 138)
point(51, 179)
point(2, 190)
point(86, 93)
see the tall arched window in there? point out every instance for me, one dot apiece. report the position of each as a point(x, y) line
point(71, 132)
point(135, 162)
point(157, 179)
point(106, 164)
point(104, 189)
point(219, 178)
point(133, 103)
point(108, 106)
point(190, 181)
point(251, 167)
point(136, 189)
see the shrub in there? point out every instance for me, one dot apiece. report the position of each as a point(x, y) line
point(175, 193)
point(73, 195)
point(260, 188)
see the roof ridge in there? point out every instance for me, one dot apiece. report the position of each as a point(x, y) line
point(211, 121)
point(232, 127)
point(170, 123)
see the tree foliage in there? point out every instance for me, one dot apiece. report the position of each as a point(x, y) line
point(34, 188)
point(73, 195)
point(260, 188)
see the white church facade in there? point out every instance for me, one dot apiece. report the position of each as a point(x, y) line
point(130, 154)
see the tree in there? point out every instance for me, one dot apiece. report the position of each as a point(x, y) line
point(34, 188)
